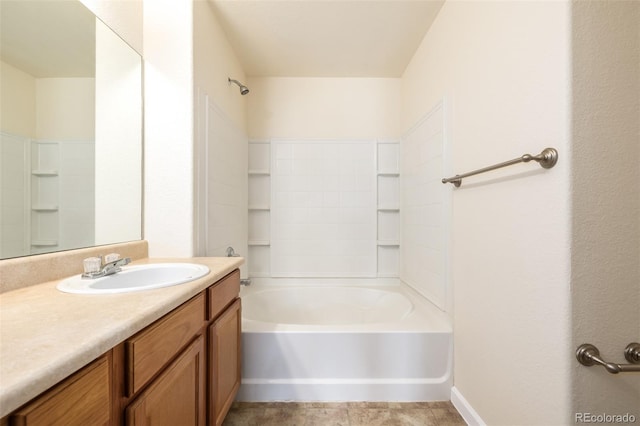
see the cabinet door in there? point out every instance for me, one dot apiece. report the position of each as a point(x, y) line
point(82, 399)
point(152, 348)
point(224, 362)
point(177, 395)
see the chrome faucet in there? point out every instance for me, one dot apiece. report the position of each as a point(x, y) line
point(108, 268)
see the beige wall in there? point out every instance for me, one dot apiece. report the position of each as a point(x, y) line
point(47, 108)
point(606, 206)
point(168, 115)
point(324, 108)
point(65, 109)
point(18, 108)
point(214, 62)
point(185, 52)
point(504, 69)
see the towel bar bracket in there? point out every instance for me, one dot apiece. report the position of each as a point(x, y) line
point(547, 158)
point(588, 355)
point(632, 353)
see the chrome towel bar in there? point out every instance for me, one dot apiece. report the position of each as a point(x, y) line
point(547, 159)
point(589, 355)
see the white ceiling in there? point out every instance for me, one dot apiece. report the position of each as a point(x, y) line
point(325, 38)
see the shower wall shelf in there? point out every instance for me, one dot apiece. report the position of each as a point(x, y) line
point(388, 208)
point(259, 175)
point(45, 208)
point(44, 243)
point(45, 195)
point(45, 173)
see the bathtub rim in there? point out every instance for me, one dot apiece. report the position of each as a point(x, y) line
point(424, 317)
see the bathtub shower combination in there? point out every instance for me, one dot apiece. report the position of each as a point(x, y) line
point(332, 208)
point(343, 341)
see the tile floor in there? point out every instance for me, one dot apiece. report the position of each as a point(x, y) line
point(440, 413)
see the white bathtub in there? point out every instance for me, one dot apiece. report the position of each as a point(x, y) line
point(322, 341)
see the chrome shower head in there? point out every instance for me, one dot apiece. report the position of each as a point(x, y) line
point(243, 89)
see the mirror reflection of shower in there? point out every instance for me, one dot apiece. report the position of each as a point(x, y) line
point(243, 89)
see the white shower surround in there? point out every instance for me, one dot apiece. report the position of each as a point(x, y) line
point(406, 358)
point(323, 208)
point(426, 208)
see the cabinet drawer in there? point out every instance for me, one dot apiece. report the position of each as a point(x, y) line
point(82, 399)
point(148, 351)
point(223, 293)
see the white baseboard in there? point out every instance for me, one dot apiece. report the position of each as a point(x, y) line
point(465, 409)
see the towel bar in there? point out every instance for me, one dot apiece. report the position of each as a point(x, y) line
point(547, 159)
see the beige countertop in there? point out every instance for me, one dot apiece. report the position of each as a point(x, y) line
point(46, 335)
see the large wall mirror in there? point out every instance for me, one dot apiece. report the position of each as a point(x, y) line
point(70, 130)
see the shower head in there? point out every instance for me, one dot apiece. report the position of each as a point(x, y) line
point(243, 89)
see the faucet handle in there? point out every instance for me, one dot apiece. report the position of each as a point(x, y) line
point(111, 257)
point(92, 264)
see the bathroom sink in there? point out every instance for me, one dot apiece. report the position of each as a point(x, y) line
point(135, 278)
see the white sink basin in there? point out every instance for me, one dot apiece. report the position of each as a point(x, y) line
point(135, 278)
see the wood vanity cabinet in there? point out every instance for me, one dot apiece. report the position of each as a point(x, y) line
point(84, 398)
point(184, 369)
point(170, 384)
